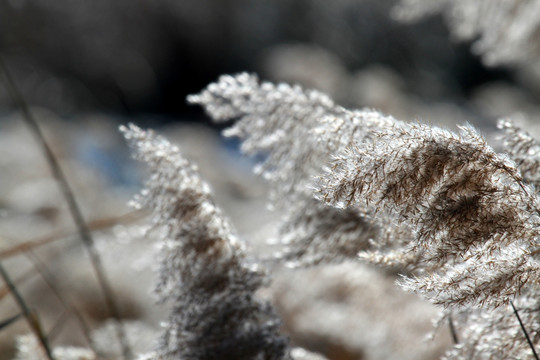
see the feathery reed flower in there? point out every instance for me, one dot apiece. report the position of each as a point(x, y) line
point(204, 272)
point(298, 131)
point(475, 222)
point(523, 149)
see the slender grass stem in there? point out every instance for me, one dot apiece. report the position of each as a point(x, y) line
point(531, 345)
point(453, 331)
point(74, 209)
point(69, 306)
point(4, 291)
point(32, 320)
point(5, 323)
point(56, 328)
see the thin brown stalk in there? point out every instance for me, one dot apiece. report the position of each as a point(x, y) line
point(5, 323)
point(32, 320)
point(531, 345)
point(74, 209)
point(69, 306)
point(55, 329)
point(28, 274)
point(21, 278)
point(98, 224)
point(453, 331)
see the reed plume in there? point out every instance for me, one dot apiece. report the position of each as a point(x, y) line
point(204, 272)
point(475, 222)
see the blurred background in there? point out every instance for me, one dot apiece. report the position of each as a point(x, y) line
point(142, 58)
point(85, 67)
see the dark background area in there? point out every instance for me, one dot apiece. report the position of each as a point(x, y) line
point(140, 58)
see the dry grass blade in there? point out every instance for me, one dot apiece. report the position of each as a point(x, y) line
point(70, 308)
point(74, 209)
point(5, 323)
point(32, 320)
point(98, 224)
